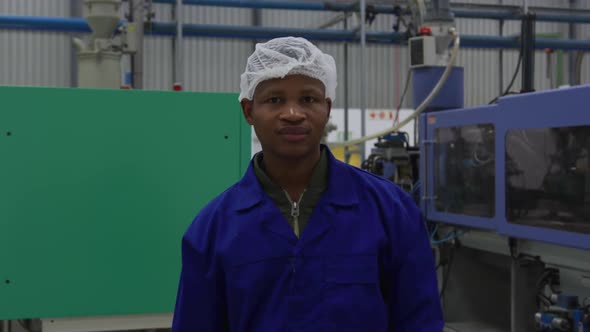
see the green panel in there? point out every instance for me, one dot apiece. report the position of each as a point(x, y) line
point(96, 190)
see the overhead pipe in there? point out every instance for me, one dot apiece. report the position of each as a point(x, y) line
point(277, 4)
point(249, 32)
point(43, 23)
point(508, 14)
point(257, 32)
point(476, 13)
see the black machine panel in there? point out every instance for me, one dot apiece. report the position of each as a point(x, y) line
point(464, 170)
point(548, 178)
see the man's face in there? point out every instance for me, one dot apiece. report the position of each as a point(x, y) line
point(289, 115)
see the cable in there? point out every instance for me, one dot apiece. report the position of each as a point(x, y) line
point(434, 233)
point(449, 237)
point(516, 71)
point(415, 187)
point(401, 99)
point(420, 108)
point(446, 275)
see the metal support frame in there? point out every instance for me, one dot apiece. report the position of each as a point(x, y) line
point(5, 326)
point(107, 323)
point(572, 70)
point(501, 58)
point(137, 14)
point(364, 72)
point(179, 45)
point(346, 110)
point(528, 53)
point(75, 11)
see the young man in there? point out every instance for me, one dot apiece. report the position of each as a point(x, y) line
point(304, 242)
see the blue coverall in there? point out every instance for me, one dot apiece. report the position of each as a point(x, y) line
point(363, 262)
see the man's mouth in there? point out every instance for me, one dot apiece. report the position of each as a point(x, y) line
point(294, 134)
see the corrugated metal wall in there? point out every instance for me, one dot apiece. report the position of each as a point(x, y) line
point(35, 58)
point(38, 58)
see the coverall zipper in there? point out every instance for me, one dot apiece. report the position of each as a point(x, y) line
point(295, 212)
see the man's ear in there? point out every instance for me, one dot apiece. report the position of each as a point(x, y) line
point(329, 103)
point(247, 107)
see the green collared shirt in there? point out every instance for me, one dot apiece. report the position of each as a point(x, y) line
point(317, 185)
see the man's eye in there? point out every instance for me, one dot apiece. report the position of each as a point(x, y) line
point(309, 99)
point(273, 100)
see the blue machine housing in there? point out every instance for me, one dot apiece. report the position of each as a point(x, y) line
point(450, 95)
point(535, 187)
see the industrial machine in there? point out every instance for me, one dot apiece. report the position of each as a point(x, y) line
point(97, 188)
point(514, 178)
point(564, 313)
point(518, 167)
point(504, 189)
point(393, 158)
point(100, 54)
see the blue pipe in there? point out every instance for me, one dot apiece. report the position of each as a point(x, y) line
point(490, 42)
point(563, 18)
point(289, 5)
point(496, 14)
point(506, 14)
point(252, 32)
point(256, 32)
point(44, 23)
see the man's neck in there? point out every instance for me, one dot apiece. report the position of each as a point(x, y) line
point(291, 175)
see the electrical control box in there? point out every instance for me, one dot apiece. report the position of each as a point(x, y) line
point(422, 51)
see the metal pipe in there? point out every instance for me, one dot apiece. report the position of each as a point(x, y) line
point(6, 326)
point(363, 78)
point(137, 15)
point(277, 4)
point(254, 32)
point(75, 11)
point(528, 53)
point(179, 49)
point(572, 56)
point(517, 8)
point(43, 23)
point(501, 57)
point(501, 61)
point(346, 111)
point(248, 32)
point(464, 12)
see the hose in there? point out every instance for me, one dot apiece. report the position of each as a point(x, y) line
point(579, 59)
point(420, 108)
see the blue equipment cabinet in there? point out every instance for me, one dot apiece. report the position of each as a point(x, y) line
point(521, 167)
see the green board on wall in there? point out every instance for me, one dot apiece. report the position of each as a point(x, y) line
point(96, 190)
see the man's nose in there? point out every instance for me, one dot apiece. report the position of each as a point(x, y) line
point(292, 113)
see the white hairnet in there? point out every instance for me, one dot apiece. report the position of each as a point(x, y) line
point(280, 57)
